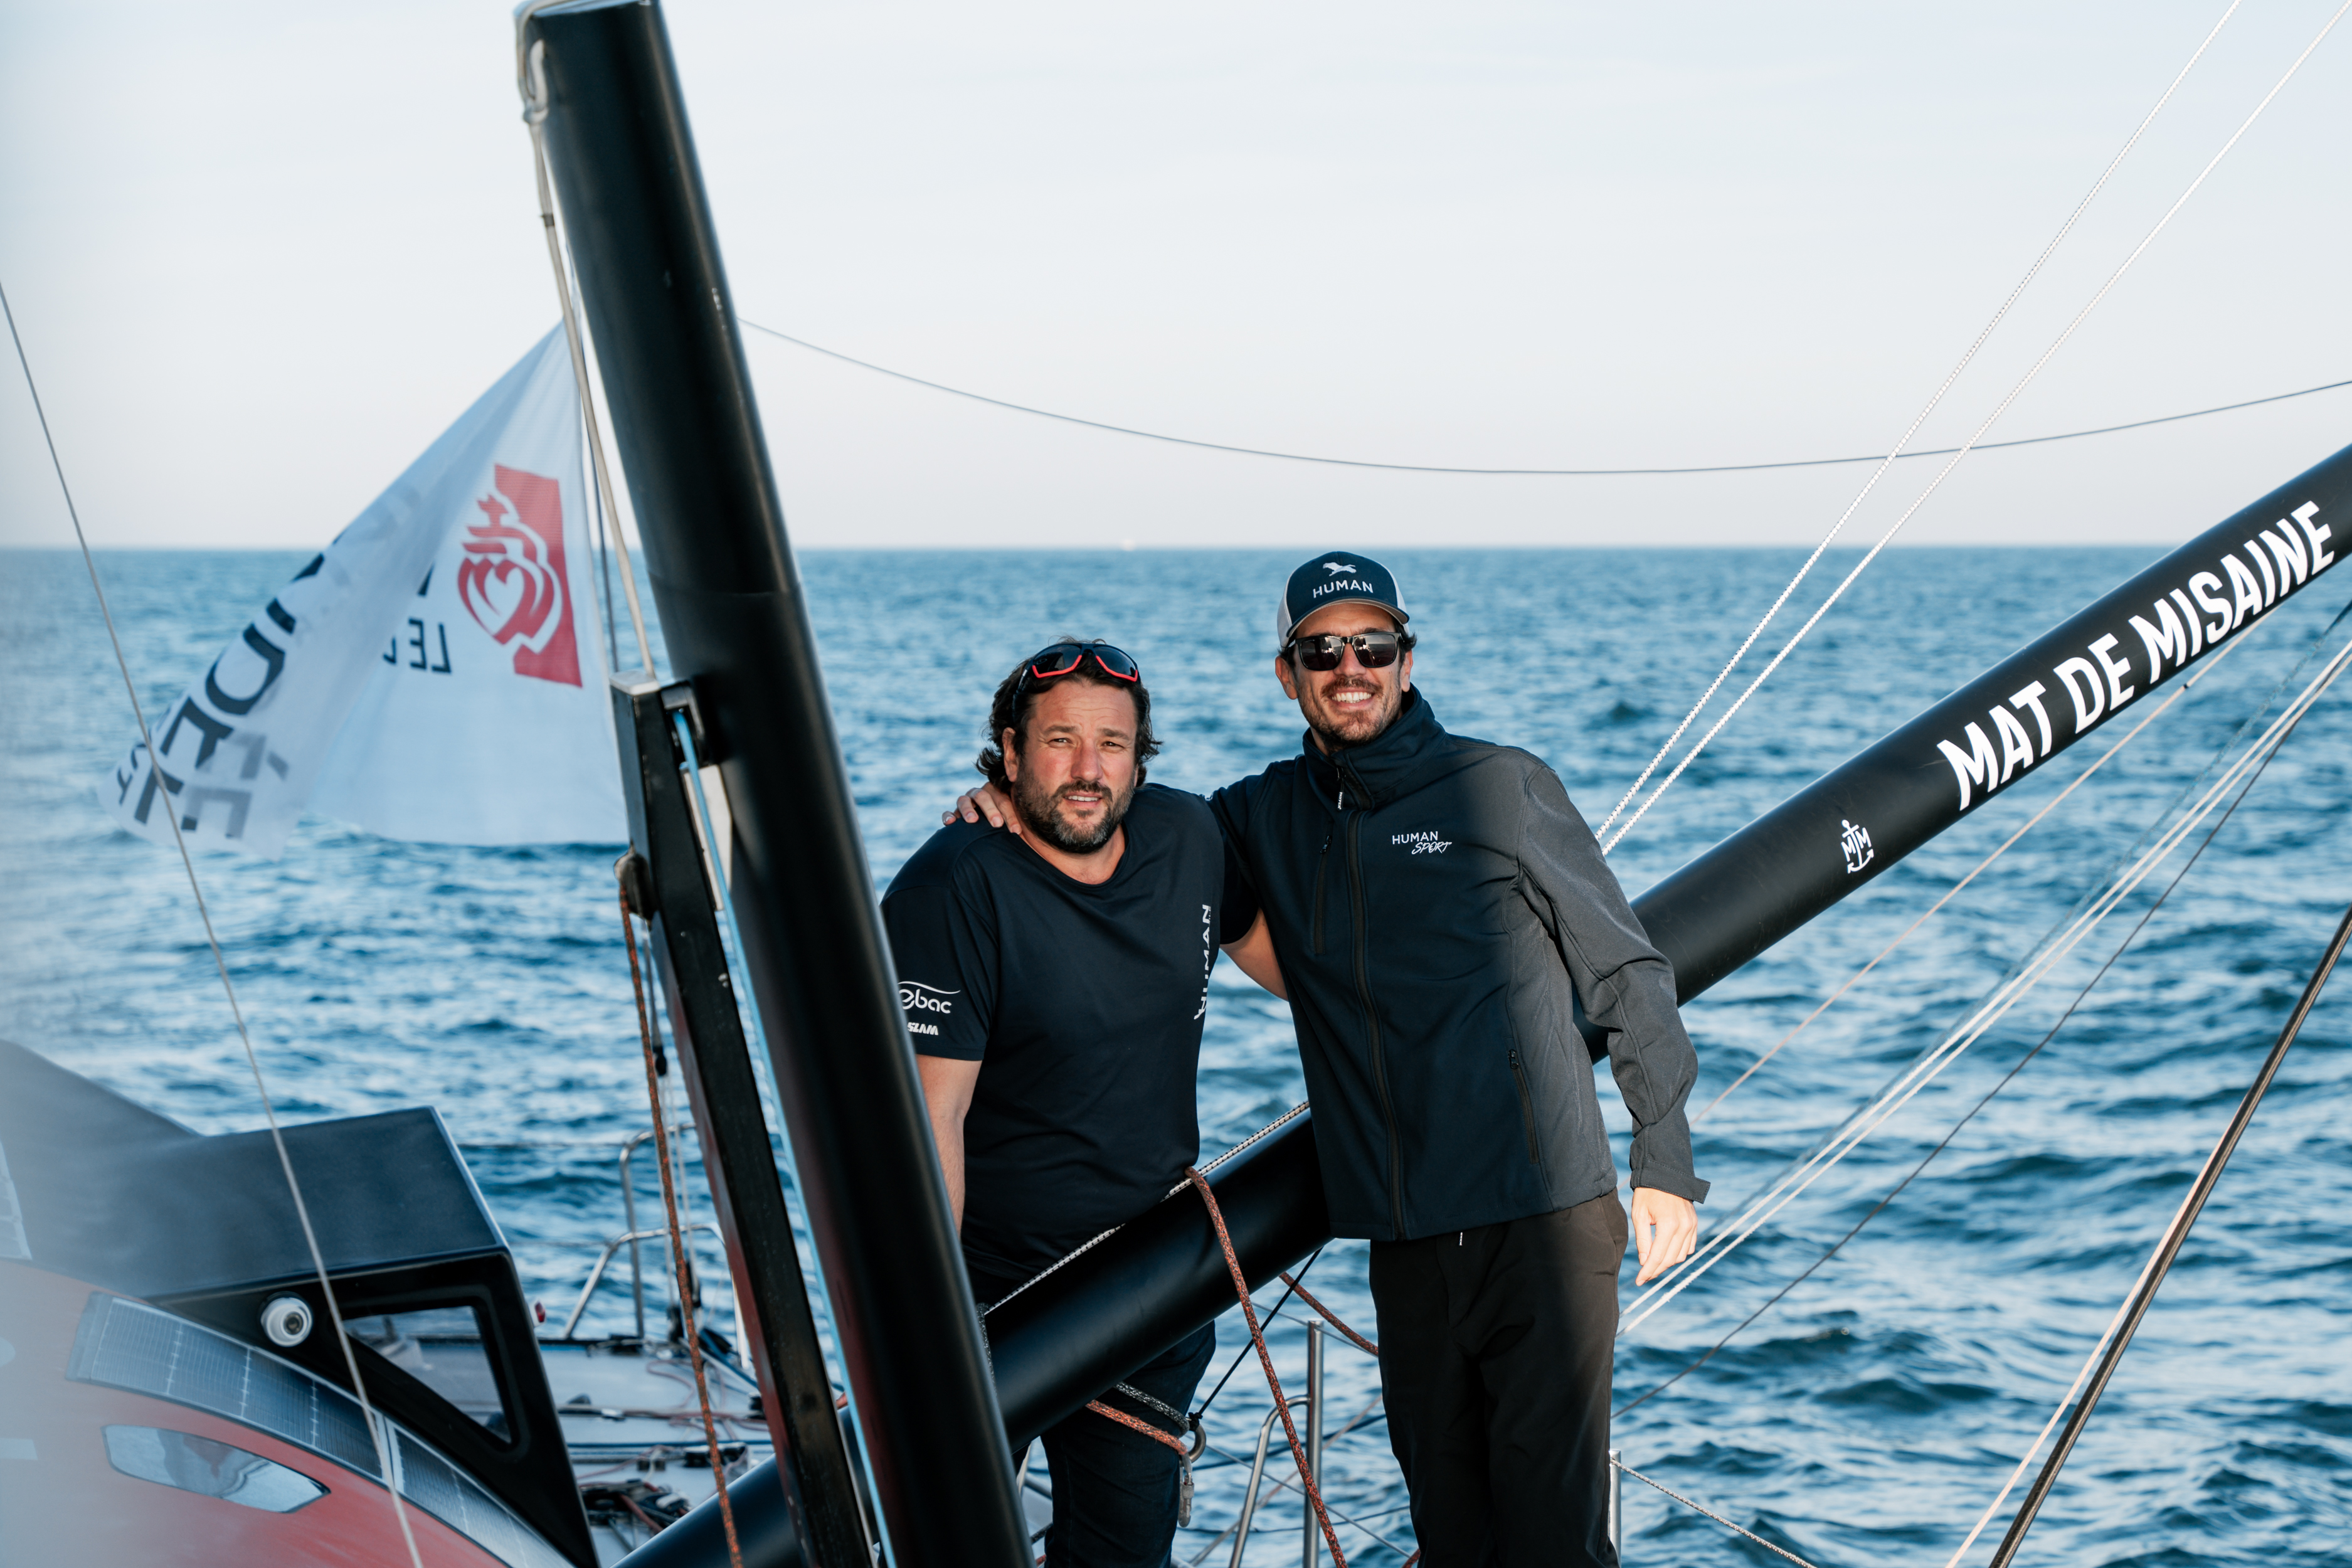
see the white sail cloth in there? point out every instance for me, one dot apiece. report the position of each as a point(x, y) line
point(435, 674)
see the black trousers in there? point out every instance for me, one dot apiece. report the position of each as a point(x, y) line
point(1496, 1346)
point(1115, 1490)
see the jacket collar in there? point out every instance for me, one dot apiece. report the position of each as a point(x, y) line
point(1367, 776)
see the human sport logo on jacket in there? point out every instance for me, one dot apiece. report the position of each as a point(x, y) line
point(1433, 989)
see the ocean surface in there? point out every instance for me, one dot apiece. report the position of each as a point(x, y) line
point(1869, 1417)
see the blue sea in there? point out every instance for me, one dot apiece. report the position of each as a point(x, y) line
point(1867, 1417)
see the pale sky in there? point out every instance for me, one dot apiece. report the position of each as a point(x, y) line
point(262, 253)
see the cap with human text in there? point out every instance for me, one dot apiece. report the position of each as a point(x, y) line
point(1336, 577)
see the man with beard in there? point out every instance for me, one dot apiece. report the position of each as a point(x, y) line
point(1438, 908)
point(1054, 983)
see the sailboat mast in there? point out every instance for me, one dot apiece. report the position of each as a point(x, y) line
point(734, 621)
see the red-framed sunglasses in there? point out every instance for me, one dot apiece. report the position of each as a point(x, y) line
point(1051, 663)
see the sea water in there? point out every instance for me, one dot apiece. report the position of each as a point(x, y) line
point(1869, 1417)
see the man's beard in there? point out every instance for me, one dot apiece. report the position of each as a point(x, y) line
point(1361, 724)
point(1039, 817)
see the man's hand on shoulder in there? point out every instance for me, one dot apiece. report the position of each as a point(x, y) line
point(974, 804)
point(1666, 1231)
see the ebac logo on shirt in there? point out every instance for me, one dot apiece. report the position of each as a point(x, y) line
point(916, 997)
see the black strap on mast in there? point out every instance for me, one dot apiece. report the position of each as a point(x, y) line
point(2174, 1236)
point(736, 628)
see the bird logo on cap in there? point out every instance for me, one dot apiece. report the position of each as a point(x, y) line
point(1338, 568)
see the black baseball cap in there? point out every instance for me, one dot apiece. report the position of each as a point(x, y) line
point(1336, 577)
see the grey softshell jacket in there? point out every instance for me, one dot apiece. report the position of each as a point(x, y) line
point(1438, 907)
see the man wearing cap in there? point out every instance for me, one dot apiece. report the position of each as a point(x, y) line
point(1438, 908)
point(1054, 985)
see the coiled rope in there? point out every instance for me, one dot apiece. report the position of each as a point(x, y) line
point(2006, 997)
point(1977, 434)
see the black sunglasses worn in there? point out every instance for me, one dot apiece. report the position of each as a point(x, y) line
point(1051, 663)
point(1374, 650)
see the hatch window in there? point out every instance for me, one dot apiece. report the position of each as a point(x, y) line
point(199, 1464)
point(442, 1348)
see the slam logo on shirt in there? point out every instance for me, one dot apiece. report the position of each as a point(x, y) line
point(916, 997)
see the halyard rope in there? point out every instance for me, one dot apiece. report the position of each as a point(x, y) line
point(2004, 997)
point(2000, 408)
point(1266, 1359)
point(383, 1454)
point(678, 1264)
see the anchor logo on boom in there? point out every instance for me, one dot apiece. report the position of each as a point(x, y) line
point(1855, 842)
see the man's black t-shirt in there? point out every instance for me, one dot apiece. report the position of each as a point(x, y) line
point(1083, 1003)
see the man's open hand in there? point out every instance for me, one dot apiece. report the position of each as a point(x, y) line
point(1666, 1231)
point(974, 804)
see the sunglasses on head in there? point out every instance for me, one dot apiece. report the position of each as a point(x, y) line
point(1374, 650)
point(1051, 663)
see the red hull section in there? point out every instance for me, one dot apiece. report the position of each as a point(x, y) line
point(62, 1499)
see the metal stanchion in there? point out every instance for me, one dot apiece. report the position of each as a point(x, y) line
point(1312, 1546)
point(1617, 1502)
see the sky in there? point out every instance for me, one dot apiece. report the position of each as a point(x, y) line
point(261, 253)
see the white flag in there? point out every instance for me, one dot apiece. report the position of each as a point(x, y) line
point(435, 674)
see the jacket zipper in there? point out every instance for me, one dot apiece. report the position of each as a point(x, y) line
point(1526, 1110)
point(1320, 861)
point(1372, 1021)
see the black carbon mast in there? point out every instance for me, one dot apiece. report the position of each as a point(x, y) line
point(738, 635)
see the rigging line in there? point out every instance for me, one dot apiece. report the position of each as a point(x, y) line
point(1279, 1302)
point(2005, 997)
point(1701, 1508)
point(2080, 996)
point(2169, 1251)
point(220, 961)
point(2108, 1353)
point(1933, 403)
point(1529, 473)
point(2115, 868)
point(2002, 407)
point(531, 82)
point(1949, 894)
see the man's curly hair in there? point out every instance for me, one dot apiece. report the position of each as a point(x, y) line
point(1012, 706)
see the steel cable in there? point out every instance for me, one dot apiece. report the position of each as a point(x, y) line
point(2000, 408)
point(1912, 1080)
point(1970, 1114)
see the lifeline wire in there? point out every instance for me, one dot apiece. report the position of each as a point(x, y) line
point(220, 960)
point(1970, 1115)
point(2000, 408)
point(1909, 1084)
point(1702, 1508)
point(2109, 1352)
point(1918, 419)
point(1528, 473)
